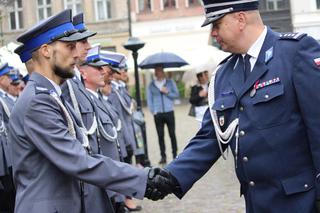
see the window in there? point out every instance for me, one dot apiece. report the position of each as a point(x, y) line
point(144, 5)
point(16, 16)
point(169, 4)
point(102, 9)
point(74, 5)
point(193, 3)
point(318, 4)
point(44, 9)
point(275, 4)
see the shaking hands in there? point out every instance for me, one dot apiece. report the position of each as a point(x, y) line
point(160, 183)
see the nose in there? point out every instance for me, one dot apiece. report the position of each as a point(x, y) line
point(214, 32)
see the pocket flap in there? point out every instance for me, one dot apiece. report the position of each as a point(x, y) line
point(225, 102)
point(268, 93)
point(300, 183)
point(85, 109)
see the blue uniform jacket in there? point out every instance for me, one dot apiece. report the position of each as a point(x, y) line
point(279, 144)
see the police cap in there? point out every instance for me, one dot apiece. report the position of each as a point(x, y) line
point(5, 69)
point(93, 58)
point(24, 54)
point(55, 28)
point(216, 9)
point(81, 27)
point(116, 61)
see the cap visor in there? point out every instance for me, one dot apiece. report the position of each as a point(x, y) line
point(72, 37)
point(114, 69)
point(87, 34)
point(98, 64)
point(211, 20)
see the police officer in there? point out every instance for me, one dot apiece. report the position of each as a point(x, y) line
point(264, 105)
point(7, 193)
point(51, 155)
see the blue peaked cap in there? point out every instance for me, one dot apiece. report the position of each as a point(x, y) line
point(79, 24)
point(5, 69)
point(93, 58)
point(24, 54)
point(55, 28)
point(115, 60)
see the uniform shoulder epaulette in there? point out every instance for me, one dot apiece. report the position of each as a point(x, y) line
point(225, 60)
point(292, 36)
point(41, 90)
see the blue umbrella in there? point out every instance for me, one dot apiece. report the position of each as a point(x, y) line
point(163, 59)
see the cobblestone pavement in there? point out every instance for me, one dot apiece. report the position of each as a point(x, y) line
point(217, 192)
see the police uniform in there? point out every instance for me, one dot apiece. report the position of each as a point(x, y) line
point(276, 140)
point(7, 194)
point(49, 158)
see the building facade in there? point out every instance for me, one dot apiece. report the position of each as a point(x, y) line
point(107, 17)
point(277, 14)
point(306, 17)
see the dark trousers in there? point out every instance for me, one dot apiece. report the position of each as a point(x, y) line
point(7, 194)
point(160, 120)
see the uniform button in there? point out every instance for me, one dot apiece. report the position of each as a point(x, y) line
point(241, 108)
point(266, 96)
point(222, 106)
point(306, 186)
point(245, 159)
point(251, 183)
point(242, 133)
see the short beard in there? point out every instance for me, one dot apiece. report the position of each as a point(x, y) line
point(63, 73)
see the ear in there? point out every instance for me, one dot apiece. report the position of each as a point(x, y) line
point(83, 73)
point(46, 50)
point(242, 19)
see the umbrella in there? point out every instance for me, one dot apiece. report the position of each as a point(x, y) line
point(164, 59)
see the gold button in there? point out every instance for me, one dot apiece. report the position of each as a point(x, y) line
point(222, 106)
point(241, 108)
point(306, 186)
point(266, 96)
point(245, 159)
point(242, 133)
point(251, 183)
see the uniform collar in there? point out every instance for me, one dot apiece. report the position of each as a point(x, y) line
point(254, 50)
point(93, 93)
point(56, 86)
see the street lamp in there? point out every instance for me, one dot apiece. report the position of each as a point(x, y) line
point(134, 44)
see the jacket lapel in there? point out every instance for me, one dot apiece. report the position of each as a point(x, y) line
point(260, 68)
point(237, 77)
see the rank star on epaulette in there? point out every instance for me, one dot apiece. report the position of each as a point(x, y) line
point(317, 61)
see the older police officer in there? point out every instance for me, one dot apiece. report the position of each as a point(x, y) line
point(50, 153)
point(264, 104)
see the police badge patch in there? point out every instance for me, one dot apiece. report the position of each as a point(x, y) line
point(221, 120)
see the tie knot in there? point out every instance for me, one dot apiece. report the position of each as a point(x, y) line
point(247, 57)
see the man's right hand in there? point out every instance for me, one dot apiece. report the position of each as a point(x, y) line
point(160, 183)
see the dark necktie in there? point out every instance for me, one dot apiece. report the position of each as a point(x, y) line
point(247, 66)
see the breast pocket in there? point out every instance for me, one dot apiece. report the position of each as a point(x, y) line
point(87, 114)
point(223, 107)
point(269, 107)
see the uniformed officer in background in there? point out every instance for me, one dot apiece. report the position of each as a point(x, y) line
point(264, 105)
point(7, 193)
point(51, 158)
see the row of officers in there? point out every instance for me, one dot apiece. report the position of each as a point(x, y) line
point(75, 93)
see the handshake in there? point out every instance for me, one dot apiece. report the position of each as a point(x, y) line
point(160, 183)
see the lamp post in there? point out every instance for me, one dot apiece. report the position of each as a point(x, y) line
point(134, 44)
